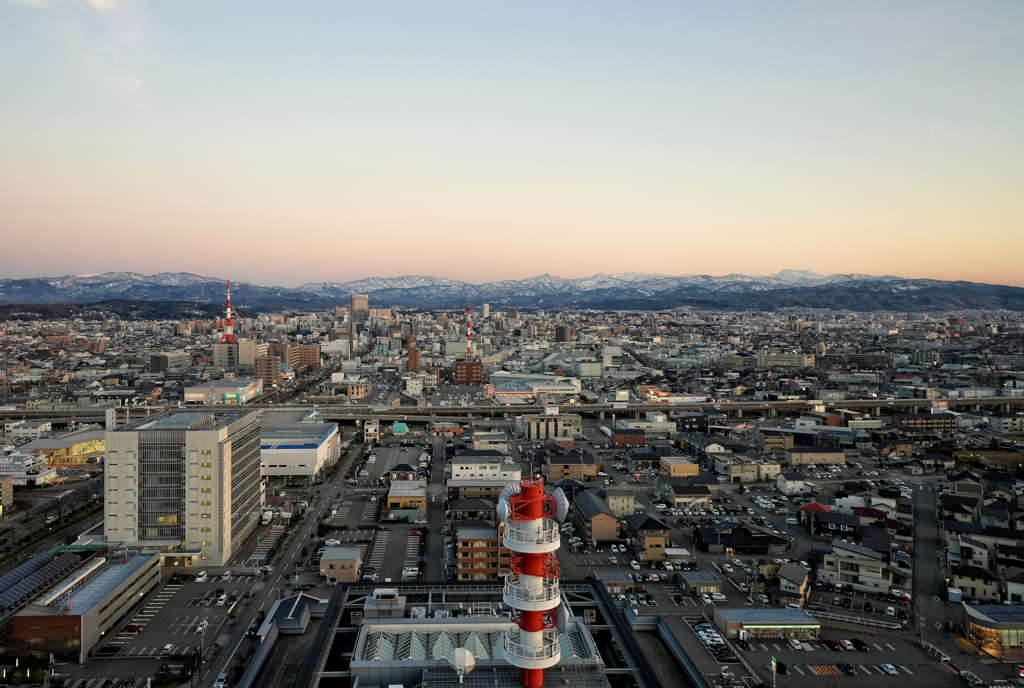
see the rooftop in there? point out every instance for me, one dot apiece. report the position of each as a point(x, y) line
point(109, 580)
point(767, 616)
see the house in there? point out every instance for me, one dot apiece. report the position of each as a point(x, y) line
point(793, 586)
point(650, 536)
point(677, 467)
point(622, 503)
point(976, 583)
point(644, 459)
point(1014, 586)
point(593, 519)
point(790, 483)
point(896, 447)
point(862, 567)
point(402, 471)
point(737, 539)
point(690, 497)
point(577, 466)
point(340, 564)
point(834, 524)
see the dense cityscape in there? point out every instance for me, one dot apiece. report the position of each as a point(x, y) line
point(342, 496)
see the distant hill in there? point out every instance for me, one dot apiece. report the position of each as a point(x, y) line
point(632, 290)
point(123, 309)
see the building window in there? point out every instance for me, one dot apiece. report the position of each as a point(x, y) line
point(206, 489)
point(206, 516)
point(206, 465)
point(207, 503)
point(206, 477)
point(205, 452)
point(206, 543)
point(204, 530)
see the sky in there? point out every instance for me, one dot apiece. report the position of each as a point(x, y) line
point(293, 142)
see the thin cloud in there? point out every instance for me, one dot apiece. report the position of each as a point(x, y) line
point(39, 4)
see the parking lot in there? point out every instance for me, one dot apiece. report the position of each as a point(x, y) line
point(173, 617)
point(805, 666)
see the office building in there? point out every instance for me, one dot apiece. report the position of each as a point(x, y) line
point(469, 372)
point(185, 478)
point(360, 309)
point(249, 350)
point(414, 360)
point(298, 450)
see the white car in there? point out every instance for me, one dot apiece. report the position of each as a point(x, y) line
point(705, 598)
point(737, 562)
point(613, 560)
point(889, 669)
point(727, 568)
point(634, 565)
point(718, 597)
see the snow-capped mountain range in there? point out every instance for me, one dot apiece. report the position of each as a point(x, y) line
point(621, 290)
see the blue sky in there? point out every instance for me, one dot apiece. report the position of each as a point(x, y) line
point(296, 142)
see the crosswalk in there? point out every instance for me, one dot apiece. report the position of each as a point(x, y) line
point(369, 511)
point(342, 511)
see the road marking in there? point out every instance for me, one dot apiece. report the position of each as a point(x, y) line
point(764, 646)
point(864, 669)
point(906, 670)
point(890, 647)
point(878, 646)
point(776, 647)
point(799, 670)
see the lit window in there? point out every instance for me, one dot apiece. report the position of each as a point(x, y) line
point(206, 503)
point(204, 530)
point(206, 489)
point(206, 477)
point(205, 544)
point(206, 465)
point(205, 451)
point(207, 516)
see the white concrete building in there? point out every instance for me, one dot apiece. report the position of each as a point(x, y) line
point(298, 450)
point(189, 478)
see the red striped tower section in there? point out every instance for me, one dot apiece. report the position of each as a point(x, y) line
point(469, 332)
point(229, 326)
point(531, 588)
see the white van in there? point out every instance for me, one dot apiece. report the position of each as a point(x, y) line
point(792, 521)
point(222, 600)
point(201, 578)
point(226, 577)
point(794, 644)
point(167, 649)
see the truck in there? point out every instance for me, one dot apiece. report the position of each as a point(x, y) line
point(268, 516)
point(606, 431)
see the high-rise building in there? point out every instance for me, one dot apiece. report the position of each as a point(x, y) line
point(486, 310)
point(225, 354)
point(360, 307)
point(268, 369)
point(191, 478)
point(249, 350)
point(414, 360)
point(469, 372)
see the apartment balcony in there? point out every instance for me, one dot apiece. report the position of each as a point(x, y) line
point(542, 656)
point(529, 541)
point(517, 595)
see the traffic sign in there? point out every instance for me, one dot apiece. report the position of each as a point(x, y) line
point(773, 665)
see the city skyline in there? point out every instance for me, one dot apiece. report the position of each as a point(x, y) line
point(581, 139)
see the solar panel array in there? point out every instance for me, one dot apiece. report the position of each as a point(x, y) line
point(1002, 613)
point(23, 582)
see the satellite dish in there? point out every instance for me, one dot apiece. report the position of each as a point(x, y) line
point(510, 489)
point(561, 505)
point(561, 617)
point(463, 661)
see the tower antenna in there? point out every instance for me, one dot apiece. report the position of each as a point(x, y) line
point(229, 327)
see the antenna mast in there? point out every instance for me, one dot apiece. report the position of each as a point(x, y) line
point(229, 327)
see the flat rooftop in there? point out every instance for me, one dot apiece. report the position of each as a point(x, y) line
point(294, 436)
point(767, 616)
point(108, 581)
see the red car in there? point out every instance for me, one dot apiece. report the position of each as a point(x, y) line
point(415, 532)
point(832, 644)
point(133, 628)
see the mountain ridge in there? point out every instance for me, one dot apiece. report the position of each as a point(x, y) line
point(786, 288)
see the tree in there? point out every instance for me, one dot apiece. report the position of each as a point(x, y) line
point(305, 550)
point(993, 444)
point(164, 674)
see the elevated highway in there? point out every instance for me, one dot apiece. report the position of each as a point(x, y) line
point(731, 409)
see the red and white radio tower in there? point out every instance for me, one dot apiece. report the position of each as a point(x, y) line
point(531, 588)
point(469, 332)
point(229, 327)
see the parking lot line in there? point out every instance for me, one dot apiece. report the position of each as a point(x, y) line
point(906, 670)
point(877, 645)
point(799, 670)
point(890, 647)
point(864, 669)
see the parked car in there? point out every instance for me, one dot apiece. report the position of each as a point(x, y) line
point(889, 669)
point(860, 644)
point(831, 644)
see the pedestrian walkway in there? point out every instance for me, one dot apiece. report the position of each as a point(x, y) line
point(369, 511)
point(412, 551)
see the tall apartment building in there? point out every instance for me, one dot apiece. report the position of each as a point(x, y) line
point(360, 307)
point(305, 355)
point(249, 350)
point(414, 360)
point(225, 354)
point(792, 361)
point(268, 369)
point(188, 477)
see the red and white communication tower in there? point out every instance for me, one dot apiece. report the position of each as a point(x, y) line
point(229, 326)
point(531, 588)
point(469, 332)
point(5, 384)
